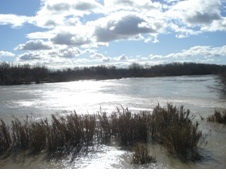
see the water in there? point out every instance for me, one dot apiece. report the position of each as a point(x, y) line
point(40, 101)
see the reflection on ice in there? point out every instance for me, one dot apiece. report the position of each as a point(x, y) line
point(89, 96)
point(106, 157)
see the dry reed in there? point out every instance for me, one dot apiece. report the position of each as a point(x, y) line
point(141, 155)
point(73, 133)
point(218, 117)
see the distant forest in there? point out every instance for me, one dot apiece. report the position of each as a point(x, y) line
point(27, 74)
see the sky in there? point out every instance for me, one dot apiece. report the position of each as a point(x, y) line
point(75, 33)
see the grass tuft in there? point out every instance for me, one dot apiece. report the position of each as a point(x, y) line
point(218, 117)
point(141, 155)
point(173, 128)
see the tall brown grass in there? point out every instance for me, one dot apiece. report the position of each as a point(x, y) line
point(219, 117)
point(5, 138)
point(129, 128)
point(141, 155)
point(61, 135)
point(173, 127)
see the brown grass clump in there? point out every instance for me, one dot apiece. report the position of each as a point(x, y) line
point(218, 117)
point(72, 133)
point(141, 155)
point(104, 133)
point(130, 128)
point(172, 127)
point(60, 136)
point(5, 138)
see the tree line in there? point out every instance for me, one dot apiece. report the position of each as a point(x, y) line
point(27, 74)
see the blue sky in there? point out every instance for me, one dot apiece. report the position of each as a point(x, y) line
point(72, 33)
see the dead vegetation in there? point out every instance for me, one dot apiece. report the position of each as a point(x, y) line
point(219, 117)
point(74, 133)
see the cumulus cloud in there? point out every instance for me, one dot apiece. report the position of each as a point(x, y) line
point(57, 55)
point(106, 59)
point(195, 12)
point(193, 17)
point(204, 51)
point(6, 54)
point(67, 38)
point(34, 45)
point(29, 56)
point(62, 6)
point(56, 12)
point(66, 5)
point(122, 57)
point(124, 26)
point(41, 35)
point(86, 5)
point(96, 55)
point(69, 52)
point(205, 12)
point(193, 53)
point(114, 5)
point(13, 20)
point(217, 25)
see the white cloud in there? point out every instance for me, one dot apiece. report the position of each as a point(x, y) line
point(67, 38)
point(96, 55)
point(13, 20)
point(193, 17)
point(34, 45)
point(68, 5)
point(69, 52)
point(106, 59)
point(195, 12)
point(59, 55)
point(124, 25)
point(131, 5)
point(6, 54)
point(217, 25)
point(193, 54)
point(122, 57)
point(204, 51)
point(156, 57)
point(61, 12)
point(40, 35)
point(29, 56)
